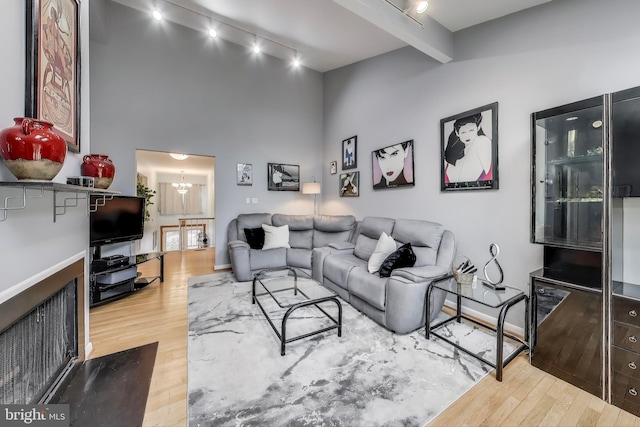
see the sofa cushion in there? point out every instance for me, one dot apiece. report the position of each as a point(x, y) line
point(368, 287)
point(332, 228)
point(261, 259)
point(299, 258)
point(370, 230)
point(300, 229)
point(255, 237)
point(385, 246)
point(254, 220)
point(275, 237)
point(403, 257)
point(424, 237)
point(337, 267)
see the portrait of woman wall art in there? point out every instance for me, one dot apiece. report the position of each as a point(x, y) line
point(469, 144)
point(393, 166)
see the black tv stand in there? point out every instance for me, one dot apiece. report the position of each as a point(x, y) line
point(101, 293)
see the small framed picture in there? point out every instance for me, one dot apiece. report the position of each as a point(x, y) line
point(393, 166)
point(333, 167)
point(244, 174)
point(469, 146)
point(350, 153)
point(283, 177)
point(349, 184)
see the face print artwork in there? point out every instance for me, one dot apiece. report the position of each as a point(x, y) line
point(393, 166)
point(469, 147)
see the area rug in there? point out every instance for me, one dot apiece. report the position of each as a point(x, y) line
point(367, 377)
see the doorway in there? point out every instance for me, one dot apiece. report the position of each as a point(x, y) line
point(180, 189)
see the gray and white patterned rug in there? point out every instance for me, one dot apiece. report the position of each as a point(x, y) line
point(368, 377)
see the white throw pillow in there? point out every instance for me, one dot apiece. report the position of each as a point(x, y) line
point(275, 237)
point(385, 247)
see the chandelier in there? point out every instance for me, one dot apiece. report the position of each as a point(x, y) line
point(182, 187)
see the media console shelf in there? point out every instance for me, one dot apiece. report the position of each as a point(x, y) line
point(36, 189)
point(105, 292)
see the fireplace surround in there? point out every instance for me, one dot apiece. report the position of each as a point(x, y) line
point(42, 336)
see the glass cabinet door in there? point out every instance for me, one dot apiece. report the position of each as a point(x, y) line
point(567, 175)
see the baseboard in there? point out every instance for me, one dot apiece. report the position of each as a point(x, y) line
point(221, 266)
point(482, 317)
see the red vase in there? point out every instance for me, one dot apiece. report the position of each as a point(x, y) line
point(32, 150)
point(100, 167)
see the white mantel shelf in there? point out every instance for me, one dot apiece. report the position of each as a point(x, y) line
point(35, 190)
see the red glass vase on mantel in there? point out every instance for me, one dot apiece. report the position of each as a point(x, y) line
point(100, 167)
point(32, 150)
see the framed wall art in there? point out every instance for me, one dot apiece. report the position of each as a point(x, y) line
point(349, 184)
point(350, 153)
point(393, 166)
point(244, 174)
point(53, 66)
point(283, 177)
point(469, 146)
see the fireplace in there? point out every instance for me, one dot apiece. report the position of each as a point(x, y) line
point(42, 336)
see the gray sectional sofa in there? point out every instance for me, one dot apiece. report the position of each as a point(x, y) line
point(336, 250)
point(396, 302)
point(305, 233)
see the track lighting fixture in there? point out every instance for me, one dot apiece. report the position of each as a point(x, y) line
point(219, 28)
point(422, 6)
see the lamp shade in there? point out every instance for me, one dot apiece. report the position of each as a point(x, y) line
point(310, 188)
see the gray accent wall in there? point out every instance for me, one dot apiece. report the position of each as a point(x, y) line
point(560, 52)
point(161, 86)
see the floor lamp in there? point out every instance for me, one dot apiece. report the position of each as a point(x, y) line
point(312, 188)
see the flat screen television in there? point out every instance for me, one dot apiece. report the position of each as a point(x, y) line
point(120, 219)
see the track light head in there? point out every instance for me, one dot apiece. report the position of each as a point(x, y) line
point(212, 33)
point(157, 15)
point(422, 6)
point(256, 48)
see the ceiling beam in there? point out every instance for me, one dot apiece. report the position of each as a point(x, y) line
point(432, 39)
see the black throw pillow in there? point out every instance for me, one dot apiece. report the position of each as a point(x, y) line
point(403, 257)
point(255, 237)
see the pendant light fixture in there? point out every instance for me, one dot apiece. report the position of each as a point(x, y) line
point(182, 187)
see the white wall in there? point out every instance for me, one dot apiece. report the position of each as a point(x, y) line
point(161, 86)
point(31, 241)
point(554, 54)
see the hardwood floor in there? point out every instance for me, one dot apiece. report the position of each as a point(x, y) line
point(527, 396)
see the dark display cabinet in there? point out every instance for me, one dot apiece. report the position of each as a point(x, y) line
point(567, 175)
point(567, 326)
point(568, 194)
point(622, 249)
point(586, 213)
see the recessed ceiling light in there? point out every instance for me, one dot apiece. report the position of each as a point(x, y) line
point(256, 49)
point(157, 15)
point(212, 33)
point(422, 6)
point(596, 124)
point(296, 62)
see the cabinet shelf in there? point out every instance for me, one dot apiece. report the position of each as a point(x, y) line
point(594, 158)
point(36, 189)
point(577, 200)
